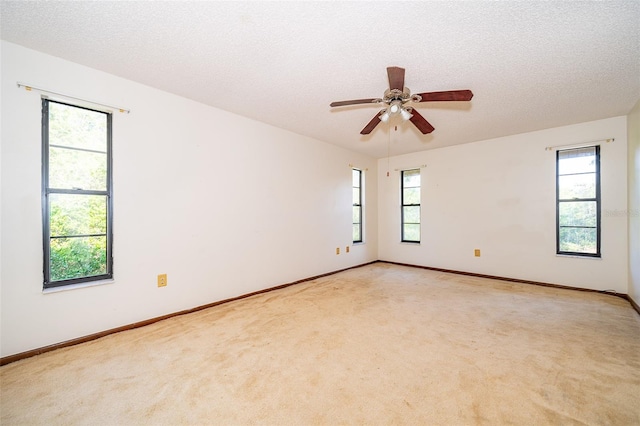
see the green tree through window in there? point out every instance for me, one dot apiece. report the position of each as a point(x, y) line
point(76, 194)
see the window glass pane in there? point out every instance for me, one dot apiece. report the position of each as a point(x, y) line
point(578, 179)
point(76, 144)
point(581, 160)
point(73, 169)
point(78, 257)
point(411, 178)
point(411, 232)
point(357, 205)
point(411, 214)
point(72, 214)
point(356, 214)
point(577, 186)
point(578, 240)
point(77, 127)
point(357, 236)
point(578, 213)
point(411, 196)
point(356, 177)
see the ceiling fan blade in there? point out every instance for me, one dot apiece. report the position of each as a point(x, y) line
point(355, 102)
point(372, 124)
point(450, 95)
point(421, 123)
point(396, 78)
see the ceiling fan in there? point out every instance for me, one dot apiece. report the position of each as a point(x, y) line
point(397, 96)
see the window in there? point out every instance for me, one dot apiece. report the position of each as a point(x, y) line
point(578, 201)
point(357, 205)
point(410, 200)
point(76, 194)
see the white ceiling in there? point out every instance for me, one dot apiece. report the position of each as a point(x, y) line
point(531, 65)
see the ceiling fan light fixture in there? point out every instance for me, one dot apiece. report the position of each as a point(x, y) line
point(384, 117)
point(406, 115)
point(395, 107)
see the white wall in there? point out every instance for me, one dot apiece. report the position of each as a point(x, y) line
point(499, 196)
point(633, 120)
point(1, 209)
point(222, 204)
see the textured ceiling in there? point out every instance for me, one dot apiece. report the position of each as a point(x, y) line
point(531, 65)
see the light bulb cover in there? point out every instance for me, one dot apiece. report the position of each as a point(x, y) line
point(406, 115)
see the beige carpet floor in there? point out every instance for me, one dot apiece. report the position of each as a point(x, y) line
point(377, 345)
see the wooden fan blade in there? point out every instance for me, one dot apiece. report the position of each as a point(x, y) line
point(396, 78)
point(372, 124)
point(355, 102)
point(450, 95)
point(421, 123)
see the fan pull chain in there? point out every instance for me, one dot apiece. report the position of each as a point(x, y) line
point(388, 149)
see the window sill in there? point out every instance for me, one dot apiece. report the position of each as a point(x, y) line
point(575, 256)
point(77, 286)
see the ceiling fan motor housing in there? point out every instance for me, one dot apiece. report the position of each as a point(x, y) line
point(403, 96)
